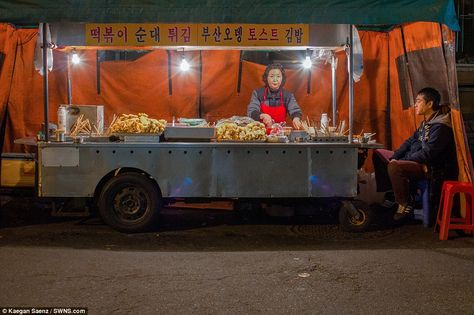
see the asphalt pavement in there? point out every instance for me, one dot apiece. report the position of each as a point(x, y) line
point(209, 262)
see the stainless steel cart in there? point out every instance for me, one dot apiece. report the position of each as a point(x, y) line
point(132, 180)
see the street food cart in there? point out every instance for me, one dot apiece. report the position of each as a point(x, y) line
point(131, 180)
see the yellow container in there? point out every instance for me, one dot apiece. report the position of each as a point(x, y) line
point(18, 173)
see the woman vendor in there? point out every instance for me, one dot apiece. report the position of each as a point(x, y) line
point(269, 104)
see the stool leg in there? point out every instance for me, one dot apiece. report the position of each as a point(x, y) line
point(467, 215)
point(470, 212)
point(440, 209)
point(426, 206)
point(446, 216)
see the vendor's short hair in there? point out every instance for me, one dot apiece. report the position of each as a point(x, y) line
point(431, 94)
point(272, 66)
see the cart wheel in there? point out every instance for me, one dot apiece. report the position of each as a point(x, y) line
point(130, 203)
point(355, 223)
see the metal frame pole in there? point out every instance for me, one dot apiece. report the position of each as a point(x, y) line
point(97, 69)
point(351, 84)
point(69, 80)
point(333, 83)
point(45, 83)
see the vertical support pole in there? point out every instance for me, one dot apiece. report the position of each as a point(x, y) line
point(239, 78)
point(97, 65)
point(308, 81)
point(388, 119)
point(45, 83)
point(308, 74)
point(170, 82)
point(200, 84)
point(69, 80)
point(351, 84)
point(334, 92)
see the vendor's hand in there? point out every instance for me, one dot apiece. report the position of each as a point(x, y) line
point(266, 119)
point(297, 123)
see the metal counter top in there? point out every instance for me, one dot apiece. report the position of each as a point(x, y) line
point(211, 144)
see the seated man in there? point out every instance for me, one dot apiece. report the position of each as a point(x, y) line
point(429, 153)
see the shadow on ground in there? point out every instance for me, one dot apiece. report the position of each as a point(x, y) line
point(26, 221)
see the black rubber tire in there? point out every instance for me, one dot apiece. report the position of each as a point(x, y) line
point(130, 203)
point(349, 223)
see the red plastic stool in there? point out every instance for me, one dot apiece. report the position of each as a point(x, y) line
point(444, 220)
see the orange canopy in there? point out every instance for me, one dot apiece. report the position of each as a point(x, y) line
point(142, 86)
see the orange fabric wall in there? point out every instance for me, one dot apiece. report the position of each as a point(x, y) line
point(142, 85)
point(220, 78)
point(25, 102)
point(137, 86)
point(404, 122)
point(8, 45)
point(419, 35)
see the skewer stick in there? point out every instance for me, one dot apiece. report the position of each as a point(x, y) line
point(75, 128)
point(109, 130)
point(89, 127)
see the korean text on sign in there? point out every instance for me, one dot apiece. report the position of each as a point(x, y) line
point(197, 34)
point(253, 34)
point(141, 34)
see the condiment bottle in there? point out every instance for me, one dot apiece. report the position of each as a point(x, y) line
point(62, 117)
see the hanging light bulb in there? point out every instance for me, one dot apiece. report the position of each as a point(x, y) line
point(75, 59)
point(307, 63)
point(184, 66)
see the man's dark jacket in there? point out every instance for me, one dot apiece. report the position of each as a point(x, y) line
point(433, 144)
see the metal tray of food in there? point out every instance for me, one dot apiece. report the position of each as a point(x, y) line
point(191, 133)
point(138, 137)
point(242, 141)
point(277, 139)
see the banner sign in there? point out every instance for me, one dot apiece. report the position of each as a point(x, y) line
point(113, 34)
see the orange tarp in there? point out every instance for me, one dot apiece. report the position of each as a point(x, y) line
point(142, 86)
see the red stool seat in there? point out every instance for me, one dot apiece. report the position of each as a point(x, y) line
point(444, 220)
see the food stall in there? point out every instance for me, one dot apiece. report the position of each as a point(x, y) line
point(132, 176)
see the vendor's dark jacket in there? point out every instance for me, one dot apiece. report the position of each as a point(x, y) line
point(432, 144)
point(273, 99)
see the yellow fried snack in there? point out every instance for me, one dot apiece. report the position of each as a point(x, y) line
point(231, 131)
point(129, 123)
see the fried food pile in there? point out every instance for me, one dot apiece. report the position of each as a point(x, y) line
point(250, 132)
point(129, 123)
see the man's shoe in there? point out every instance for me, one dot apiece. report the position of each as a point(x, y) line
point(387, 204)
point(403, 212)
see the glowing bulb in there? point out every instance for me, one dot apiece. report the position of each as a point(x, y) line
point(184, 65)
point(75, 58)
point(307, 63)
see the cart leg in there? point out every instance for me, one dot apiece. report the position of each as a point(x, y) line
point(355, 216)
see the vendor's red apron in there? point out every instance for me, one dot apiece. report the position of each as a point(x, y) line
point(278, 113)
